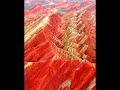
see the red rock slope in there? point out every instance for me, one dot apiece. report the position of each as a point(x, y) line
point(60, 47)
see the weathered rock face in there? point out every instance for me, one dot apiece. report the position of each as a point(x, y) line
point(59, 75)
point(60, 47)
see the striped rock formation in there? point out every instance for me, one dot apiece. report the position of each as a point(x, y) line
point(60, 47)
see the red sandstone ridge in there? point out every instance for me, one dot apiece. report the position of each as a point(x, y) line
point(60, 47)
point(59, 75)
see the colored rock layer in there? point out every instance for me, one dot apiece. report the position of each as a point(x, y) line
point(60, 47)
